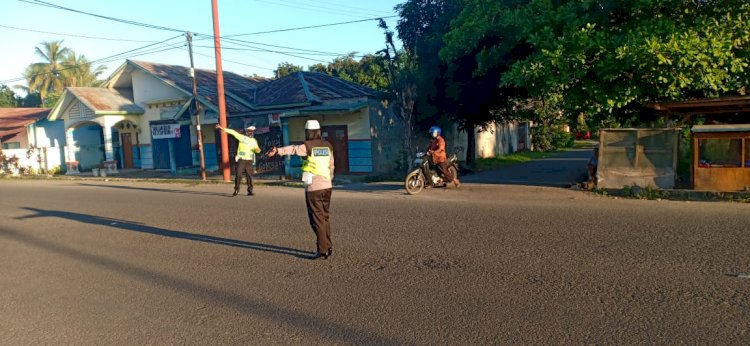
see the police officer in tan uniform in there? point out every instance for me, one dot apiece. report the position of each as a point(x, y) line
point(317, 174)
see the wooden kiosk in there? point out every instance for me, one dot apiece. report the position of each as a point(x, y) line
point(721, 157)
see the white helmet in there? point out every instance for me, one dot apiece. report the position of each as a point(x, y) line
point(312, 125)
point(250, 128)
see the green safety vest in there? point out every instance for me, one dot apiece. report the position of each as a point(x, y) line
point(318, 161)
point(248, 146)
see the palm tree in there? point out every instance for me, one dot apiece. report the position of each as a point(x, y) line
point(46, 77)
point(78, 71)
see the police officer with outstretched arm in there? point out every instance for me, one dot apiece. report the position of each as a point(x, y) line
point(246, 150)
point(317, 174)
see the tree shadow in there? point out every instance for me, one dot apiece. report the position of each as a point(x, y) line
point(157, 190)
point(372, 187)
point(338, 333)
point(139, 227)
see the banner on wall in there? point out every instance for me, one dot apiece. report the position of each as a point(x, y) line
point(164, 131)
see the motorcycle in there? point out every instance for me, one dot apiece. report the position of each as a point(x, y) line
point(424, 175)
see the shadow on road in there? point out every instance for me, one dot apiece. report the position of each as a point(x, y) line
point(373, 187)
point(252, 307)
point(158, 190)
point(139, 227)
point(559, 170)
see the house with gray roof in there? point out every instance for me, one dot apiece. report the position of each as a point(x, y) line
point(141, 118)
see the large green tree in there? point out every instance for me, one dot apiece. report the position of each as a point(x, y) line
point(47, 76)
point(60, 68)
point(79, 71)
point(606, 59)
point(8, 98)
point(369, 70)
point(285, 69)
point(448, 87)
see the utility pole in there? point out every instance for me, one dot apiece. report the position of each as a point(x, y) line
point(220, 92)
point(196, 106)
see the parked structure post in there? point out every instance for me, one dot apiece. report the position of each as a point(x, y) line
point(196, 107)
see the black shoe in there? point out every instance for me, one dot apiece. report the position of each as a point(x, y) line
point(330, 252)
point(235, 193)
point(250, 193)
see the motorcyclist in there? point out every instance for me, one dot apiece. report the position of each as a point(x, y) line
point(436, 150)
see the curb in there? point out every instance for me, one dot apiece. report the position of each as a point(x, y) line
point(677, 195)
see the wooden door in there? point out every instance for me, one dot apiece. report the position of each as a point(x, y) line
point(127, 151)
point(339, 138)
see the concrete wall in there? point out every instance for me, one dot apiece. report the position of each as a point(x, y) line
point(49, 137)
point(387, 134)
point(497, 140)
point(44, 158)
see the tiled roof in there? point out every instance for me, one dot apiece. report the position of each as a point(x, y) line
point(302, 87)
point(107, 100)
point(234, 84)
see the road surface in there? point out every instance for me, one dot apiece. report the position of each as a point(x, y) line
point(85, 262)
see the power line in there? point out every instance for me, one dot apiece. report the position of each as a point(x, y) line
point(264, 50)
point(348, 10)
point(235, 62)
point(125, 21)
point(313, 9)
point(108, 58)
point(73, 35)
point(232, 40)
point(354, 7)
point(238, 42)
point(307, 27)
point(46, 4)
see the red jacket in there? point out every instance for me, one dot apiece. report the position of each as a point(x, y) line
point(437, 145)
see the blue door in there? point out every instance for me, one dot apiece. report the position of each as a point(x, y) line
point(183, 149)
point(161, 153)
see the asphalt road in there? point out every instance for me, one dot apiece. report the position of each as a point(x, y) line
point(125, 263)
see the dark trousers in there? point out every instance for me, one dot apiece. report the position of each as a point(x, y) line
point(318, 211)
point(246, 167)
point(443, 168)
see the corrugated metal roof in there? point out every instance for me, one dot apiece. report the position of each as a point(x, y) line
point(721, 128)
point(107, 100)
point(308, 87)
point(14, 118)
point(334, 108)
point(234, 84)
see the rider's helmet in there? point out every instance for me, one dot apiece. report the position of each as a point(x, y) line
point(435, 131)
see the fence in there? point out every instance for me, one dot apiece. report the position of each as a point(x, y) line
point(34, 160)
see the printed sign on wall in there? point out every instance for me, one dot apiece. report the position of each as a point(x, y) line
point(163, 131)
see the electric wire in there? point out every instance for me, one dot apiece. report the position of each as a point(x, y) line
point(125, 21)
point(301, 7)
point(349, 10)
point(307, 27)
point(129, 53)
point(74, 35)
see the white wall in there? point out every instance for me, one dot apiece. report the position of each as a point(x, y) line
point(50, 158)
point(497, 140)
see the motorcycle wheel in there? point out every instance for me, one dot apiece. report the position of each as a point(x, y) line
point(414, 183)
